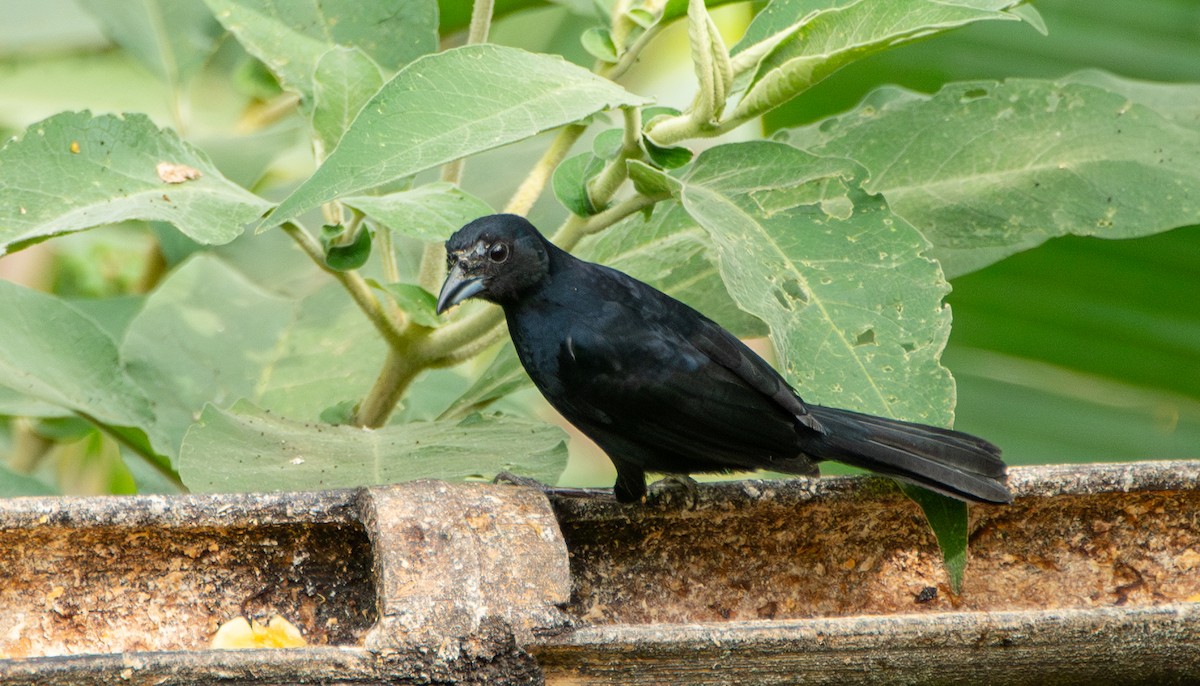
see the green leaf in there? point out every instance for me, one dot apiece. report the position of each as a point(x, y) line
point(599, 44)
point(348, 256)
point(172, 39)
point(447, 106)
point(75, 171)
point(666, 156)
point(208, 335)
point(417, 303)
point(608, 143)
point(51, 352)
point(503, 376)
point(948, 519)
point(650, 181)
point(13, 485)
point(570, 183)
point(818, 44)
point(855, 309)
point(1062, 157)
point(248, 449)
point(292, 38)
point(344, 80)
point(431, 212)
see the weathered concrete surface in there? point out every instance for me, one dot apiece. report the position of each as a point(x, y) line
point(1157, 646)
point(417, 583)
point(1091, 576)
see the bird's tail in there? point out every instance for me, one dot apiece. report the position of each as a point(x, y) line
point(950, 462)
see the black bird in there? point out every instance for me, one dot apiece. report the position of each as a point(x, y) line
point(662, 388)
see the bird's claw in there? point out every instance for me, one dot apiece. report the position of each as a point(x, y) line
point(674, 492)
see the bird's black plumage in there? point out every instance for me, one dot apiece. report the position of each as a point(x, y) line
point(662, 388)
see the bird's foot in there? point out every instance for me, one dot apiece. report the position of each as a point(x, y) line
point(674, 492)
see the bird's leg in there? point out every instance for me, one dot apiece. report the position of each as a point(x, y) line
point(631, 483)
point(674, 490)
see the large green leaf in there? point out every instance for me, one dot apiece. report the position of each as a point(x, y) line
point(818, 42)
point(76, 171)
point(248, 449)
point(854, 308)
point(450, 105)
point(172, 39)
point(291, 38)
point(51, 352)
point(208, 335)
point(344, 80)
point(431, 212)
point(988, 169)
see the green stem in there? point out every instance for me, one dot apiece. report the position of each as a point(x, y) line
point(602, 188)
point(392, 330)
point(430, 273)
point(630, 56)
point(398, 372)
point(574, 229)
point(533, 185)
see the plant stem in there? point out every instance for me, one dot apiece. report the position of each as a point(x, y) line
point(630, 56)
point(602, 188)
point(398, 372)
point(430, 272)
point(392, 330)
point(533, 185)
point(574, 229)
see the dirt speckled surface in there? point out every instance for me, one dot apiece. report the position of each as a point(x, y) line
point(116, 589)
point(844, 548)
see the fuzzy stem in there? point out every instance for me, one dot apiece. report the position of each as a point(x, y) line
point(398, 372)
point(602, 188)
point(392, 330)
point(531, 188)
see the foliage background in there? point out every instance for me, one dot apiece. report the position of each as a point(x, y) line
point(1077, 350)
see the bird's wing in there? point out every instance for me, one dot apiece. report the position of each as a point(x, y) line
point(642, 362)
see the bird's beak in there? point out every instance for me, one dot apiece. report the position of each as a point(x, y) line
point(457, 288)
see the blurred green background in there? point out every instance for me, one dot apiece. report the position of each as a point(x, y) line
point(1079, 350)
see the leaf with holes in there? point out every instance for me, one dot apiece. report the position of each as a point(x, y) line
point(854, 308)
point(988, 169)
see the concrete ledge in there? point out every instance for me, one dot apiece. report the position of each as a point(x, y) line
point(1091, 576)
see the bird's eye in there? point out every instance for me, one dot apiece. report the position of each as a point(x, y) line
point(498, 253)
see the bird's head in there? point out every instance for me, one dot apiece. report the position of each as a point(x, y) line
point(495, 258)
